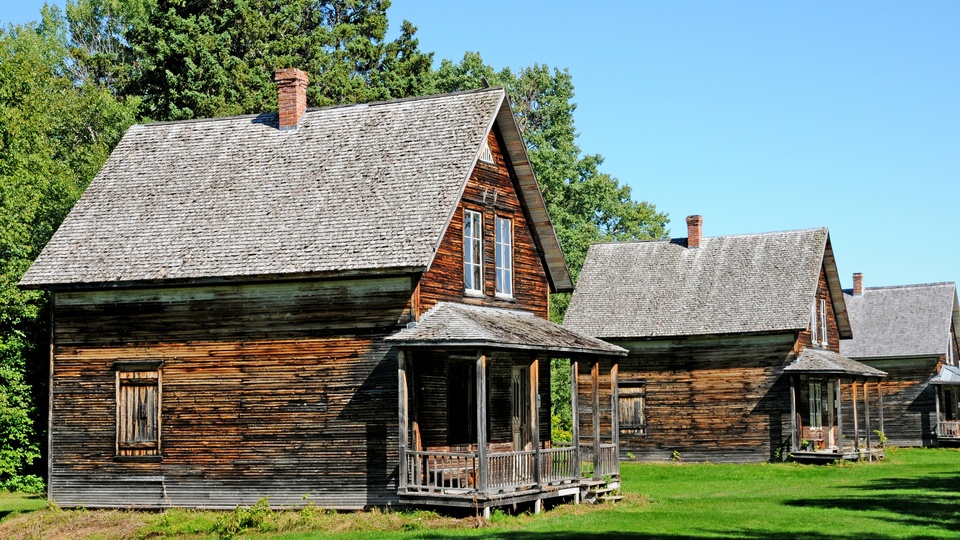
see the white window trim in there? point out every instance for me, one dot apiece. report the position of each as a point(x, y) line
point(813, 323)
point(477, 259)
point(507, 272)
point(824, 335)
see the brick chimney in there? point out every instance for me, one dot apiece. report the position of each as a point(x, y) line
point(291, 96)
point(694, 231)
point(858, 284)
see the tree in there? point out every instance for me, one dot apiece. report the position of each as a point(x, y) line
point(55, 134)
point(99, 50)
point(585, 204)
point(205, 59)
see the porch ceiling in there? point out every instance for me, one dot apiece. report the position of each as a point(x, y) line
point(459, 325)
point(822, 361)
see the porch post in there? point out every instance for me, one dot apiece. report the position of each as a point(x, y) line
point(794, 431)
point(481, 394)
point(856, 423)
point(575, 413)
point(615, 412)
point(595, 388)
point(839, 416)
point(535, 416)
point(937, 402)
point(866, 411)
point(880, 404)
point(404, 420)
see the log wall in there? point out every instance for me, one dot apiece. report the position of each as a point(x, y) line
point(268, 390)
point(909, 400)
point(491, 190)
point(714, 398)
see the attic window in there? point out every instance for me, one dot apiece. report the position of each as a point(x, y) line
point(486, 155)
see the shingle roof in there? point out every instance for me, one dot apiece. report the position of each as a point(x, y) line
point(460, 325)
point(909, 320)
point(729, 284)
point(353, 189)
point(822, 361)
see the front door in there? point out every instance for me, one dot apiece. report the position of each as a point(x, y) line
point(520, 406)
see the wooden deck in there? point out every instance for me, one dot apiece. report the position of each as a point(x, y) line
point(829, 456)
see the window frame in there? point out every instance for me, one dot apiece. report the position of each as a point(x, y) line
point(486, 153)
point(824, 337)
point(128, 375)
point(503, 250)
point(473, 248)
point(636, 390)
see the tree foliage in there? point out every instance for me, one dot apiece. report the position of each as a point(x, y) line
point(55, 134)
point(204, 59)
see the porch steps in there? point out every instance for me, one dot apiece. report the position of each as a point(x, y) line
point(596, 491)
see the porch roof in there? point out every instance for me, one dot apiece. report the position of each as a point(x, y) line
point(948, 375)
point(822, 361)
point(459, 325)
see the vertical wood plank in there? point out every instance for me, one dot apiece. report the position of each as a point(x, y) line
point(866, 412)
point(595, 388)
point(794, 431)
point(403, 418)
point(937, 403)
point(575, 413)
point(615, 412)
point(856, 423)
point(880, 404)
point(482, 421)
point(534, 375)
point(50, 391)
point(839, 414)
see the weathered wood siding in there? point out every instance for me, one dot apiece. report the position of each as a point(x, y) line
point(268, 390)
point(909, 400)
point(716, 398)
point(491, 191)
point(833, 335)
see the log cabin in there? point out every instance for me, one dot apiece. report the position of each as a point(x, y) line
point(345, 306)
point(910, 332)
point(734, 347)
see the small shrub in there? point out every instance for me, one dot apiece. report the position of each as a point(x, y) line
point(257, 516)
point(881, 438)
point(675, 456)
point(28, 483)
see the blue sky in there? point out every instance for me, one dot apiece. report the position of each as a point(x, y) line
point(761, 116)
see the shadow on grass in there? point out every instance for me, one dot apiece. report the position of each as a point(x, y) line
point(918, 501)
point(742, 535)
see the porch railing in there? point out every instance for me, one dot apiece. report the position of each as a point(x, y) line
point(445, 471)
point(607, 464)
point(948, 429)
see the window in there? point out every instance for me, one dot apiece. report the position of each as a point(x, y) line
point(504, 256)
point(632, 406)
point(473, 250)
point(818, 323)
point(486, 156)
point(823, 323)
point(139, 386)
point(816, 405)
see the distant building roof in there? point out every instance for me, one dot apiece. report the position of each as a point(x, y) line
point(909, 320)
point(819, 361)
point(459, 325)
point(949, 375)
point(353, 189)
point(729, 284)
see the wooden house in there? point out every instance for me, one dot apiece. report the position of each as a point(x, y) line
point(734, 347)
point(910, 332)
point(345, 305)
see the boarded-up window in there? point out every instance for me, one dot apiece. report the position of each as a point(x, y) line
point(632, 405)
point(138, 408)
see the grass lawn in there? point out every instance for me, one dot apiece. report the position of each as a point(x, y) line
point(915, 493)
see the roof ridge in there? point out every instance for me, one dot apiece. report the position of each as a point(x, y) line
point(741, 235)
point(908, 286)
point(323, 108)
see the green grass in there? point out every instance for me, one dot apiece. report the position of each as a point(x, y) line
point(915, 493)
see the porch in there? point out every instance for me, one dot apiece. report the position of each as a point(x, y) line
point(947, 391)
point(830, 408)
point(474, 417)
